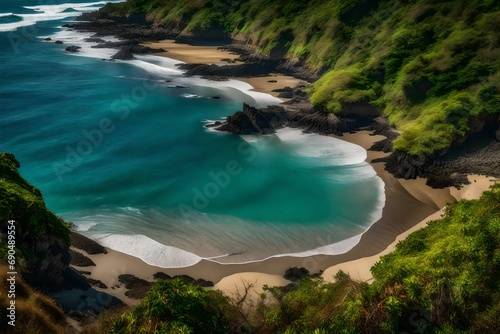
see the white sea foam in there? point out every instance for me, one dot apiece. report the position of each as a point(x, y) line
point(233, 89)
point(149, 250)
point(50, 13)
point(84, 226)
point(71, 37)
point(5, 14)
point(328, 150)
point(331, 150)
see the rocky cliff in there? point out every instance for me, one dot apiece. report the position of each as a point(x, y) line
point(41, 238)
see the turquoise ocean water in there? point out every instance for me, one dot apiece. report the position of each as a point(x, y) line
point(124, 156)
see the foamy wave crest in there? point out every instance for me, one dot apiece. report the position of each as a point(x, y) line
point(72, 37)
point(149, 250)
point(50, 13)
point(231, 89)
point(329, 149)
point(6, 14)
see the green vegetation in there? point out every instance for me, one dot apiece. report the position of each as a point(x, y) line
point(429, 65)
point(441, 279)
point(176, 308)
point(23, 203)
point(35, 313)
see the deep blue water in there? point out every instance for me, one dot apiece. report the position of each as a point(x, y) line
point(127, 158)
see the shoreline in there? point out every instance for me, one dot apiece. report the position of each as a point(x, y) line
point(409, 205)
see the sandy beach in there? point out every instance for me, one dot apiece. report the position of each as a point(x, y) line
point(409, 205)
point(212, 55)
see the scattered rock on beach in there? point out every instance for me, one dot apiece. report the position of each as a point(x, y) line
point(127, 52)
point(203, 283)
point(294, 274)
point(286, 95)
point(137, 286)
point(80, 260)
point(161, 275)
point(284, 89)
point(88, 245)
point(96, 282)
point(272, 81)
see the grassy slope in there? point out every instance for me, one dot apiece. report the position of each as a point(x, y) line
point(431, 66)
point(441, 279)
point(20, 201)
point(35, 313)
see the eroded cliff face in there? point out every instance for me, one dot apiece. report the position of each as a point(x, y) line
point(41, 238)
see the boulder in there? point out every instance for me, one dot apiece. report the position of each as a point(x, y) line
point(252, 120)
point(73, 48)
point(80, 260)
point(161, 275)
point(88, 245)
point(294, 274)
point(137, 287)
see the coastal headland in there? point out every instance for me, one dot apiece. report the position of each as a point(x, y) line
point(410, 203)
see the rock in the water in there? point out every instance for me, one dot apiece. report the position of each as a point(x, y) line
point(294, 274)
point(251, 120)
point(59, 42)
point(47, 39)
point(127, 52)
point(73, 48)
point(94, 40)
point(124, 54)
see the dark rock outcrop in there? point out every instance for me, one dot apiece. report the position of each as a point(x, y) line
point(127, 52)
point(203, 283)
point(137, 287)
point(96, 282)
point(317, 121)
point(161, 275)
point(294, 274)
point(88, 245)
point(80, 260)
point(252, 120)
point(73, 48)
point(59, 42)
point(261, 67)
point(42, 238)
